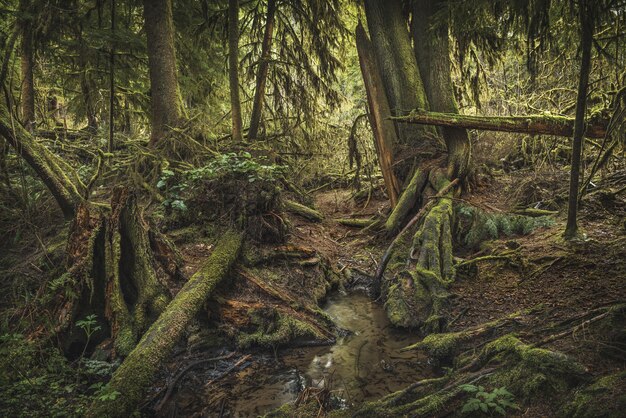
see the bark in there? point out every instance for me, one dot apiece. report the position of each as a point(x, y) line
point(384, 131)
point(261, 76)
point(586, 23)
point(432, 50)
point(55, 174)
point(401, 77)
point(233, 68)
point(133, 378)
point(531, 124)
point(28, 84)
point(166, 105)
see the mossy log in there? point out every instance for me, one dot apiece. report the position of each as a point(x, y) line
point(531, 124)
point(356, 222)
point(303, 211)
point(57, 175)
point(134, 376)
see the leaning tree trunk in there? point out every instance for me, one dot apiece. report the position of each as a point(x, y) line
point(28, 83)
point(401, 78)
point(233, 68)
point(384, 131)
point(586, 23)
point(133, 378)
point(261, 76)
point(60, 179)
point(165, 98)
point(432, 50)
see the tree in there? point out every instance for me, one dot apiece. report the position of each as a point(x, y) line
point(233, 68)
point(166, 105)
point(27, 61)
point(432, 50)
point(261, 75)
point(586, 18)
point(401, 77)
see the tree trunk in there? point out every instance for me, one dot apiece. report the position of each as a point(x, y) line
point(133, 378)
point(261, 76)
point(432, 50)
point(164, 94)
point(586, 22)
point(379, 113)
point(27, 65)
point(401, 77)
point(531, 124)
point(233, 68)
point(55, 173)
point(86, 82)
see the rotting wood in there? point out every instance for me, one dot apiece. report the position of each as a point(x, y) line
point(531, 124)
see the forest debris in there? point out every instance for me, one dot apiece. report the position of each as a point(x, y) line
point(133, 378)
point(230, 369)
point(303, 211)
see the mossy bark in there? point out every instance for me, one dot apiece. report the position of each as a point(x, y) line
point(432, 50)
point(166, 103)
point(60, 179)
point(134, 376)
point(417, 291)
point(409, 200)
point(401, 77)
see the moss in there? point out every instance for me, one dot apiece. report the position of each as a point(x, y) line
point(604, 398)
point(304, 211)
point(275, 329)
point(530, 370)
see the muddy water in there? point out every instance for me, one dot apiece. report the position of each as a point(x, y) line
point(364, 364)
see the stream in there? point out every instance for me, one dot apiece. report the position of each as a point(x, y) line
point(365, 364)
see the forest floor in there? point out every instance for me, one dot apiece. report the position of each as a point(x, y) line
point(548, 281)
point(555, 289)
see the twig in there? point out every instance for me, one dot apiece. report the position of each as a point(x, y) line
point(230, 369)
point(174, 382)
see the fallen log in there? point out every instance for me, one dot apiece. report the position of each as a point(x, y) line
point(531, 124)
point(133, 378)
point(303, 211)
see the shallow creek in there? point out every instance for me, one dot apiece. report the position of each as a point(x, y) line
point(365, 364)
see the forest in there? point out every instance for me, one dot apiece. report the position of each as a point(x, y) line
point(313, 208)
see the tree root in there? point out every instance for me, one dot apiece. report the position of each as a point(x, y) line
point(303, 211)
point(414, 297)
